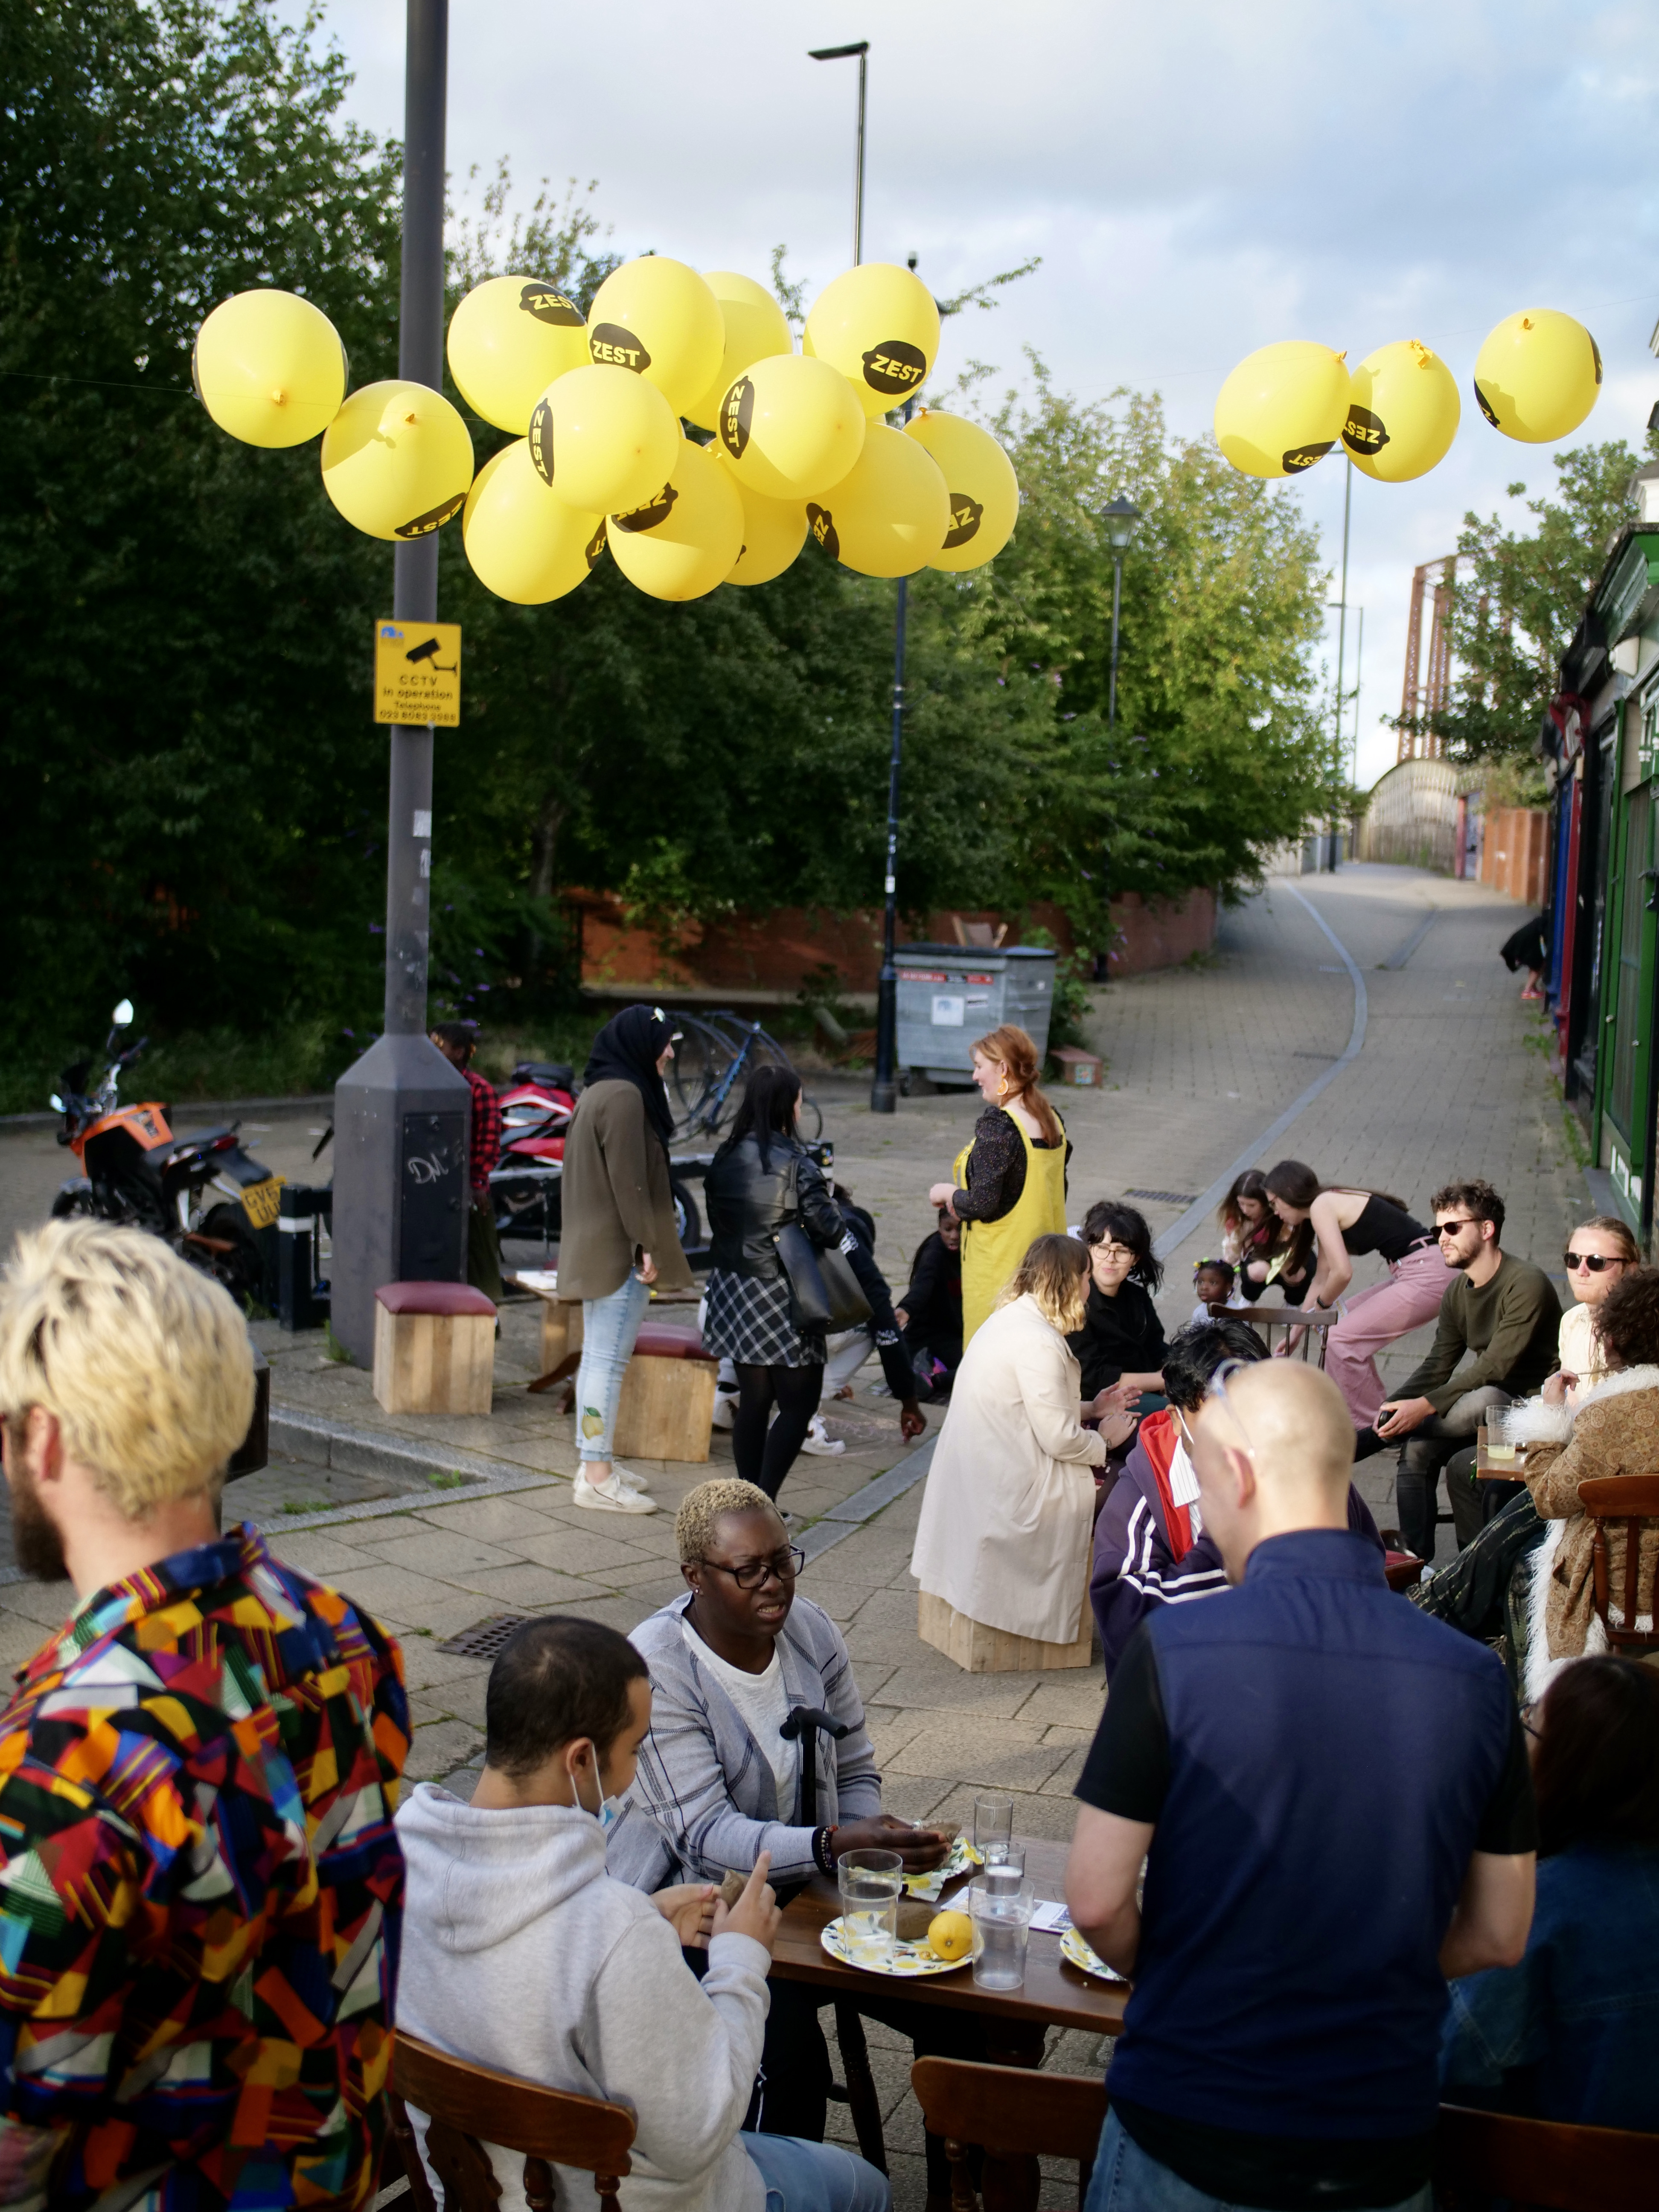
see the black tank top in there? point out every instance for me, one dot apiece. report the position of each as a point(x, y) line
point(1383, 1228)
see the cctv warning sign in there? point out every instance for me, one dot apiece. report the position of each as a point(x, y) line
point(417, 673)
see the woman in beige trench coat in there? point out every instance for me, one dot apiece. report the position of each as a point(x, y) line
point(1010, 1502)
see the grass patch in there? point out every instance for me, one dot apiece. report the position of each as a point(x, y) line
point(307, 1505)
point(453, 1480)
point(332, 1347)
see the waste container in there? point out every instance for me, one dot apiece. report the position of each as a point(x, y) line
point(950, 994)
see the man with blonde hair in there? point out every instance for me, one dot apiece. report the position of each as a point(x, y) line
point(200, 1884)
point(1330, 1794)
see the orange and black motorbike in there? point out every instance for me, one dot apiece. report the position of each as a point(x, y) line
point(211, 1199)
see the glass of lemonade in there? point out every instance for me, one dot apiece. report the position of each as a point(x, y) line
point(1500, 1440)
point(870, 1884)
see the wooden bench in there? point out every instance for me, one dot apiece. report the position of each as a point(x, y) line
point(666, 1410)
point(435, 1348)
point(468, 2106)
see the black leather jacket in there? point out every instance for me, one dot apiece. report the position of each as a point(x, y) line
point(747, 1206)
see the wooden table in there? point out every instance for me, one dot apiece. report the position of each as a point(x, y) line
point(1487, 1470)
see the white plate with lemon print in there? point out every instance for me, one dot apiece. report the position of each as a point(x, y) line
point(1072, 1947)
point(907, 1961)
point(958, 1860)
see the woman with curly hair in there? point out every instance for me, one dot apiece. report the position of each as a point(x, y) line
point(1003, 1539)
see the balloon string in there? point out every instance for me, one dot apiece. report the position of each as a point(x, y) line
point(101, 382)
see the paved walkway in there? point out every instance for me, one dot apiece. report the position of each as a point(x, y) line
point(1449, 1082)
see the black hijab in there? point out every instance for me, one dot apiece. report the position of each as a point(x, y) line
point(627, 1050)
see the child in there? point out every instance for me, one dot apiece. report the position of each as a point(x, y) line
point(509, 1895)
point(1213, 1284)
point(931, 1315)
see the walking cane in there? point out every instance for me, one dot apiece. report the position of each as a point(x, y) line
point(804, 1721)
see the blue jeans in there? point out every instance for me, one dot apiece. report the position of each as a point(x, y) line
point(1126, 2180)
point(610, 1327)
point(810, 2177)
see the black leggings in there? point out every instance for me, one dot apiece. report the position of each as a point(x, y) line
point(765, 1455)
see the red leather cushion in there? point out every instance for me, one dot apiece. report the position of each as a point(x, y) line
point(658, 1341)
point(432, 1298)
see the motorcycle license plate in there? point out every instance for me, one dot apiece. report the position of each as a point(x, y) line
point(263, 1202)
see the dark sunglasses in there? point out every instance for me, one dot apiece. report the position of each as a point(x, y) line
point(1463, 1221)
point(785, 1564)
point(1594, 1262)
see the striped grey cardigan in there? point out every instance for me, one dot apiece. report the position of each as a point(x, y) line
point(704, 1800)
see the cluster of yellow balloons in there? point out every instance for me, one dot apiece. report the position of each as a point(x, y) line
point(1283, 408)
point(598, 405)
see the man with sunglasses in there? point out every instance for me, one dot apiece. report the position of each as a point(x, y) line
point(1505, 1312)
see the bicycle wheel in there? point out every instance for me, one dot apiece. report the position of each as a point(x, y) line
point(700, 1059)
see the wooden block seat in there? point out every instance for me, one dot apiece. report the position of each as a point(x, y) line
point(435, 1348)
point(666, 1410)
point(979, 1649)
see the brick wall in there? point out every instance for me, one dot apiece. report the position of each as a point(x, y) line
point(1515, 852)
point(766, 958)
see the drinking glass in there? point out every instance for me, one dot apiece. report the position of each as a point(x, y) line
point(1001, 1903)
point(1500, 1441)
point(870, 1884)
point(994, 1828)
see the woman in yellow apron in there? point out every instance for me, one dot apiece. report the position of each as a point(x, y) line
point(1010, 1183)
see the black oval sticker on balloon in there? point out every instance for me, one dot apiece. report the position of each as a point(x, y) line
point(822, 524)
point(648, 516)
point(1596, 351)
point(541, 442)
point(613, 347)
point(966, 515)
point(736, 412)
point(548, 306)
point(596, 544)
point(1486, 409)
point(1303, 457)
point(896, 368)
point(1364, 432)
point(434, 519)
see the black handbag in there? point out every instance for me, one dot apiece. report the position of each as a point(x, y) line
point(823, 1291)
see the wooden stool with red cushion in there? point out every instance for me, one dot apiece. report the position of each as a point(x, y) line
point(435, 1348)
point(666, 1410)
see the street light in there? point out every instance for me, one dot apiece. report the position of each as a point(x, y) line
point(861, 50)
point(1122, 518)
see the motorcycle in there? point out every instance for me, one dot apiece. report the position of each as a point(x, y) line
point(537, 1104)
point(210, 1200)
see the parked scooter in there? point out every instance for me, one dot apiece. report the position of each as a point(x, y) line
point(536, 1104)
point(138, 1173)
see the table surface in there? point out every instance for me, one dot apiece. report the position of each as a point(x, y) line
point(1055, 1993)
point(1487, 1470)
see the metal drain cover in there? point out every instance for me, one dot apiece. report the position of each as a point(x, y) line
point(1166, 1197)
point(485, 1637)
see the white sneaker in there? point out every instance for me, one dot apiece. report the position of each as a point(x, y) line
point(820, 1442)
point(726, 1410)
point(612, 1497)
point(628, 1480)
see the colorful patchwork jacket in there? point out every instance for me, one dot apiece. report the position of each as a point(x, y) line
point(200, 1892)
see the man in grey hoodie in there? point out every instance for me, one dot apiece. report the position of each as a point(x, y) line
point(521, 1953)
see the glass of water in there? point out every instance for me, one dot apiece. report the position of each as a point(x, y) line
point(994, 1828)
point(1500, 1439)
point(870, 1884)
point(1001, 1903)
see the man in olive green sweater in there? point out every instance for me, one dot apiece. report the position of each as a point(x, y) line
point(1507, 1313)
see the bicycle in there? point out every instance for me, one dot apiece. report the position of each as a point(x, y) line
point(714, 1054)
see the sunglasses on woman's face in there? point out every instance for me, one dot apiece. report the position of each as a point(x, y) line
point(1594, 1262)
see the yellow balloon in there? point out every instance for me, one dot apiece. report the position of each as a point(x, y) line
point(1538, 375)
point(754, 328)
point(879, 324)
point(508, 339)
point(659, 319)
point(790, 427)
point(602, 439)
point(984, 489)
point(270, 368)
point(680, 544)
point(889, 515)
point(1403, 412)
point(397, 460)
point(524, 544)
point(774, 531)
point(1282, 409)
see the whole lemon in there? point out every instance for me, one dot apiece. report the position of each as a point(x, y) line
point(951, 1934)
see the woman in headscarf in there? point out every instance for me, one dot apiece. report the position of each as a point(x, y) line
point(619, 1236)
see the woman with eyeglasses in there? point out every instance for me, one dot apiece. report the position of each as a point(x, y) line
point(1120, 1346)
point(1599, 1253)
point(719, 1782)
point(1346, 1221)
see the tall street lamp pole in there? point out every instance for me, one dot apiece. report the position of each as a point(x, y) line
point(1341, 639)
point(401, 1113)
point(861, 52)
point(1122, 518)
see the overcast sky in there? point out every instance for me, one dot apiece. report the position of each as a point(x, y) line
point(1200, 180)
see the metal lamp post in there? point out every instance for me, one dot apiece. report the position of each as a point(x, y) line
point(860, 51)
point(401, 1113)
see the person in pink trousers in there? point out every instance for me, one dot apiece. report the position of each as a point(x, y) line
point(1346, 1223)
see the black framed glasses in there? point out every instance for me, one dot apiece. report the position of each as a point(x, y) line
point(1593, 1261)
point(785, 1564)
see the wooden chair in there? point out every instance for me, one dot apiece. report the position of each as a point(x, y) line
point(1634, 1500)
point(468, 2106)
point(1264, 1320)
point(1015, 2116)
point(1542, 2164)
